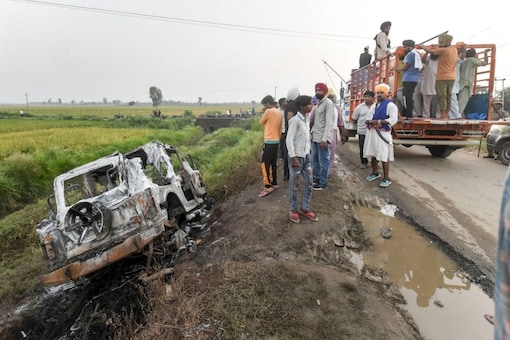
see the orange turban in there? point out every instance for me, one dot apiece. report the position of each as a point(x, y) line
point(382, 88)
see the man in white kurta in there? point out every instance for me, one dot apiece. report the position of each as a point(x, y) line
point(378, 141)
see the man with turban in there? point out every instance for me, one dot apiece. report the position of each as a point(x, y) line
point(322, 136)
point(382, 42)
point(378, 141)
point(446, 71)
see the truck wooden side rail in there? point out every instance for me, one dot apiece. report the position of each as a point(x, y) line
point(441, 137)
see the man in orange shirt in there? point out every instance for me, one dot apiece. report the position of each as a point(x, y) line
point(272, 122)
point(446, 71)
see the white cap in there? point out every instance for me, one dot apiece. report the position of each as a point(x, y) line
point(366, 47)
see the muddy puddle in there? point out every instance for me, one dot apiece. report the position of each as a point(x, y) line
point(442, 300)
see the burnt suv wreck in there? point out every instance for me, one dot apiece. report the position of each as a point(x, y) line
point(118, 205)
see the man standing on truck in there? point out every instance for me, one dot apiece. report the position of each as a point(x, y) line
point(379, 142)
point(411, 69)
point(365, 58)
point(359, 116)
point(467, 76)
point(446, 72)
point(382, 41)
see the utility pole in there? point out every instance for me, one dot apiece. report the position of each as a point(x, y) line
point(503, 94)
point(502, 80)
point(26, 97)
point(275, 93)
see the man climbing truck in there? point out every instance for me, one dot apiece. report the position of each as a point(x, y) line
point(440, 137)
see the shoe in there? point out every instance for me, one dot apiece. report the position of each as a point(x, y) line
point(266, 191)
point(372, 177)
point(309, 214)
point(489, 318)
point(363, 166)
point(319, 187)
point(275, 186)
point(294, 217)
point(385, 183)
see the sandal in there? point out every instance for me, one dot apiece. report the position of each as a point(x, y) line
point(294, 217)
point(489, 318)
point(309, 214)
point(266, 191)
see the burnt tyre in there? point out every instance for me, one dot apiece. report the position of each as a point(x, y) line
point(504, 153)
point(441, 151)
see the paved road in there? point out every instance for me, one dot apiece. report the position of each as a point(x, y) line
point(455, 198)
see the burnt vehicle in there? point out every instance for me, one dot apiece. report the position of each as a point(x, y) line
point(119, 205)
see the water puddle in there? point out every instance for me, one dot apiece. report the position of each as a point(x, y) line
point(442, 300)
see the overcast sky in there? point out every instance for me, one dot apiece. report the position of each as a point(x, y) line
point(220, 50)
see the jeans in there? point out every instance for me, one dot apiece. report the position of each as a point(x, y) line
point(320, 163)
point(305, 170)
point(361, 144)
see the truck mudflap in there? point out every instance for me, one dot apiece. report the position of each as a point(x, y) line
point(79, 269)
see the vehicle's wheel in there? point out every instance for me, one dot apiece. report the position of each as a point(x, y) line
point(86, 222)
point(441, 151)
point(504, 153)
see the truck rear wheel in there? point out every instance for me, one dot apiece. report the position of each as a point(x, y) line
point(504, 153)
point(441, 151)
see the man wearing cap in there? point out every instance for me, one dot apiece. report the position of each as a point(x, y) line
point(378, 141)
point(446, 71)
point(322, 135)
point(411, 69)
point(382, 41)
point(365, 58)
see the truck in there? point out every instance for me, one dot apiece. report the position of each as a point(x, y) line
point(144, 201)
point(440, 137)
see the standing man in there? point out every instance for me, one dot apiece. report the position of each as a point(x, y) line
point(298, 144)
point(360, 116)
point(382, 41)
point(365, 58)
point(289, 112)
point(411, 69)
point(446, 72)
point(282, 152)
point(272, 121)
point(467, 76)
point(379, 142)
point(322, 135)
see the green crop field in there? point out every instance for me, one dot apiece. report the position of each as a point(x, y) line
point(108, 111)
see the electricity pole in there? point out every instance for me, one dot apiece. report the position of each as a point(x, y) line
point(26, 96)
point(502, 80)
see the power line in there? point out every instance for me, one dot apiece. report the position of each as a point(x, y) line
point(235, 27)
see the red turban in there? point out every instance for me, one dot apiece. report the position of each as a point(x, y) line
point(321, 86)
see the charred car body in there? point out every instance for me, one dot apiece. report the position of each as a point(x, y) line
point(105, 210)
